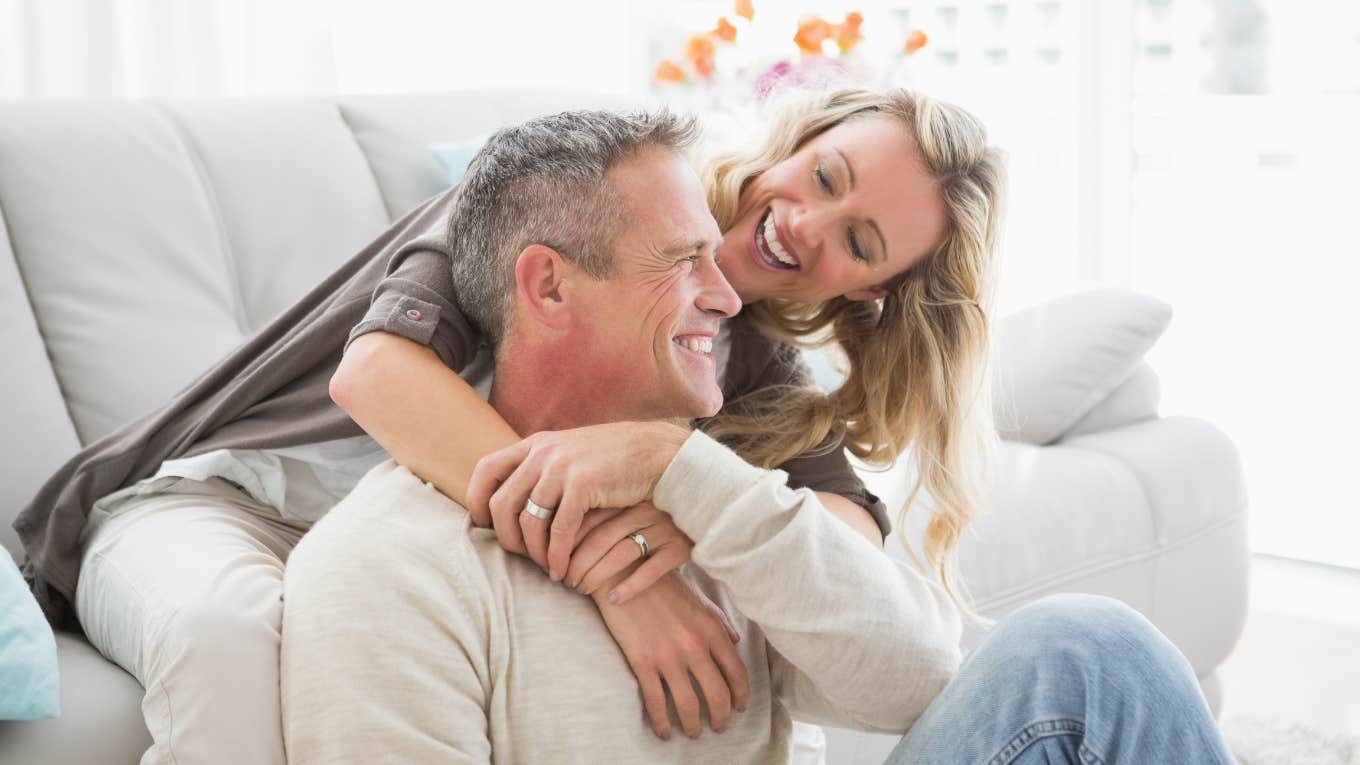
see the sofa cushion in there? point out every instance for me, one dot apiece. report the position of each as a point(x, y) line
point(1054, 362)
point(28, 652)
point(32, 407)
point(120, 252)
point(396, 131)
point(291, 193)
point(101, 715)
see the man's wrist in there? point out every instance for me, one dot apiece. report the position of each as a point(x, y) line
point(667, 439)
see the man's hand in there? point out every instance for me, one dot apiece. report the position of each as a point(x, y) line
point(670, 633)
point(608, 550)
point(574, 471)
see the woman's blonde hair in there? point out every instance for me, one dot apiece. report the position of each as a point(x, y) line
point(916, 359)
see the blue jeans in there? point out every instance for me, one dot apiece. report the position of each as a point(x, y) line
point(1069, 678)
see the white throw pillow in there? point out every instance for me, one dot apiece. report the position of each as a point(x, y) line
point(1055, 361)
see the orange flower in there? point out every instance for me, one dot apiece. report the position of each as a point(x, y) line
point(847, 33)
point(915, 41)
point(668, 72)
point(725, 31)
point(699, 51)
point(812, 32)
point(743, 9)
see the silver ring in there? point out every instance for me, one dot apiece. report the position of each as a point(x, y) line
point(538, 511)
point(641, 542)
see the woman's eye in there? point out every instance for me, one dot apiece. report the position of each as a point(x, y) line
point(821, 177)
point(855, 248)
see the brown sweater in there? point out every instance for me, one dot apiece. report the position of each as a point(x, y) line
point(273, 391)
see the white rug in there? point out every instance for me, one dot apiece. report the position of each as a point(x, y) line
point(1261, 741)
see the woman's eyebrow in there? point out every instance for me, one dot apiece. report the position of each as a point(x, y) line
point(850, 170)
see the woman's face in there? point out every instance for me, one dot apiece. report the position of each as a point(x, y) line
point(848, 211)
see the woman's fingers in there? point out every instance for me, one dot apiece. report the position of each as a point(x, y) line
point(592, 521)
point(686, 701)
point(654, 700)
point(715, 690)
point(667, 559)
point(733, 670)
point(605, 538)
point(623, 554)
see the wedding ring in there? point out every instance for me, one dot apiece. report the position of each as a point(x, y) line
point(641, 542)
point(538, 511)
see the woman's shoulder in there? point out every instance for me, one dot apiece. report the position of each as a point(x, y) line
point(757, 360)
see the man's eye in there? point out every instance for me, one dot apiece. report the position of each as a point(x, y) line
point(821, 177)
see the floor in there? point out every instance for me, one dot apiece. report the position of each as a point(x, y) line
point(1299, 658)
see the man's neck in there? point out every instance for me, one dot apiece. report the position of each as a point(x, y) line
point(542, 386)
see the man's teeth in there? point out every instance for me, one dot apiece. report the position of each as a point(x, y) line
point(697, 344)
point(772, 242)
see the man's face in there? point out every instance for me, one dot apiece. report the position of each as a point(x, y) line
point(647, 331)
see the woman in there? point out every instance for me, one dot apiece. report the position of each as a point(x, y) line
point(937, 306)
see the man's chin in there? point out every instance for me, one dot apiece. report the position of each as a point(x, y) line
point(707, 404)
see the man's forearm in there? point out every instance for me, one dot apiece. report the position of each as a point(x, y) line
point(869, 641)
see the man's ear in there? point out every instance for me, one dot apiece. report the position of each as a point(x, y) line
point(868, 293)
point(539, 275)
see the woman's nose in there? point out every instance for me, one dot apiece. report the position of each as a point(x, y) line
point(805, 226)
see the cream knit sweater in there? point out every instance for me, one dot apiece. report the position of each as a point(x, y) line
point(410, 635)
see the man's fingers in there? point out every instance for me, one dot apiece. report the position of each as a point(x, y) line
point(686, 701)
point(734, 672)
point(716, 693)
point(661, 562)
point(593, 520)
point(488, 474)
point(535, 531)
point(566, 522)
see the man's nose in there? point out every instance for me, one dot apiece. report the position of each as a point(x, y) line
point(716, 294)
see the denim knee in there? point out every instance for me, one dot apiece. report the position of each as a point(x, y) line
point(1094, 630)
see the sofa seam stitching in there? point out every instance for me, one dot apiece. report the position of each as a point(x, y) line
point(232, 266)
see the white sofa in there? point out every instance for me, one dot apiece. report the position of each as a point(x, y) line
point(140, 241)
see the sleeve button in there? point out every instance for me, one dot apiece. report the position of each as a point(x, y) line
point(413, 314)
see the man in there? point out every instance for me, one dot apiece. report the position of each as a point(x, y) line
point(410, 635)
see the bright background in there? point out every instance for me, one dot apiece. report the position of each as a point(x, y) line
point(1202, 151)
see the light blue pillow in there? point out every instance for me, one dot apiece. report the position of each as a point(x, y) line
point(28, 651)
point(456, 156)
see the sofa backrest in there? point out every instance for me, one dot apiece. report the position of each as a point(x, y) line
point(141, 241)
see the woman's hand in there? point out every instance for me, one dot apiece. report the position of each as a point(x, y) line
point(670, 633)
point(607, 550)
point(573, 471)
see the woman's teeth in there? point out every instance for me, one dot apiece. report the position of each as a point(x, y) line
point(696, 344)
point(769, 242)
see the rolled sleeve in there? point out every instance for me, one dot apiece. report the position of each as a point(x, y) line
point(417, 301)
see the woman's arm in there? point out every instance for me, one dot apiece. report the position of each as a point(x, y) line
point(426, 416)
point(855, 516)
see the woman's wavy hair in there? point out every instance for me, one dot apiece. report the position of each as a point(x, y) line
point(916, 360)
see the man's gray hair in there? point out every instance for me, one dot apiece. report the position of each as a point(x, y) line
point(543, 182)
